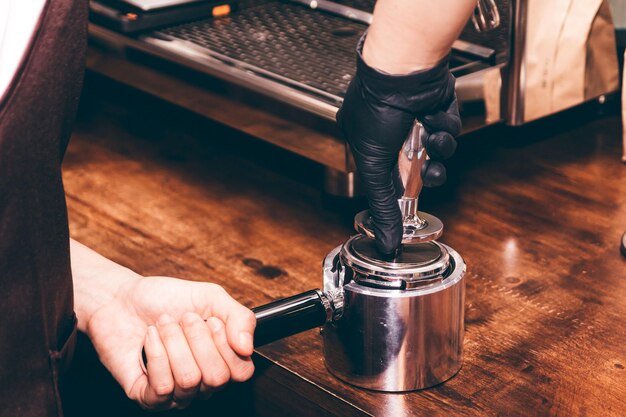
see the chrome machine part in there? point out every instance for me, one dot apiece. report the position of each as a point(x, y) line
point(280, 49)
point(395, 338)
point(486, 16)
point(429, 227)
point(301, 53)
point(389, 324)
point(414, 266)
point(419, 227)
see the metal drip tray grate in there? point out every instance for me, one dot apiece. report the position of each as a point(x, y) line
point(310, 50)
point(298, 46)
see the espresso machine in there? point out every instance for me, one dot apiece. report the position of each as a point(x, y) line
point(389, 324)
point(292, 60)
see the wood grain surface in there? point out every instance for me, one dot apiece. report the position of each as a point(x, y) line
point(537, 216)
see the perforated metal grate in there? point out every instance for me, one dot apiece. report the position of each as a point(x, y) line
point(313, 48)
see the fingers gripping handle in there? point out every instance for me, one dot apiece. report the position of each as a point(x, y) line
point(291, 315)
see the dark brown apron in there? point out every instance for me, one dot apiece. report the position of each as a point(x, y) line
point(37, 323)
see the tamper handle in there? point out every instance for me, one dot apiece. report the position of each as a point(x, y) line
point(411, 159)
point(291, 315)
point(410, 162)
point(418, 227)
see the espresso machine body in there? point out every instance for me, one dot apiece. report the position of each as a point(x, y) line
point(512, 64)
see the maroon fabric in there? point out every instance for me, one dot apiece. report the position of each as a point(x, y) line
point(37, 322)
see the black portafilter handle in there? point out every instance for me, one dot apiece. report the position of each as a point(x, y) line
point(288, 316)
point(291, 315)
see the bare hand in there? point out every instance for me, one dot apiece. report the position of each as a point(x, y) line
point(197, 338)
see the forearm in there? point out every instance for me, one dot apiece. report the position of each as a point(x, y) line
point(409, 35)
point(96, 281)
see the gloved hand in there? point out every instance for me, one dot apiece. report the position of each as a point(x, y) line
point(376, 116)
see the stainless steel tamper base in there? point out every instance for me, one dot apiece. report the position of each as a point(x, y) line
point(417, 229)
point(391, 339)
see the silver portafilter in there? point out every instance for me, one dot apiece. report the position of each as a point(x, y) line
point(388, 324)
point(315, 308)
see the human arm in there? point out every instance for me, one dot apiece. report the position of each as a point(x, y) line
point(402, 74)
point(196, 337)
point(412, 35)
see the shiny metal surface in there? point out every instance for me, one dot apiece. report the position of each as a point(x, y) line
point(414, 266)
point(213, 64)
point(516, 72)
point(486, 16)
point(431, 228)
point(413, 256)
point(326, 107)
point(410, 161)
point(395, 340)
point(332, 7)
point(148, 5)
point(418, 226)
point(194, 51)
point(479, 81)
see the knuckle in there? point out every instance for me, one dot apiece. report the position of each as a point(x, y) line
point(164, 388)
point(197, 331)
point(169, 331)
point(190, 317)
point(220, 376)
point(243, 371)
point(156, 356)
point(189, 380)
point(217, 289)
point(250, 317)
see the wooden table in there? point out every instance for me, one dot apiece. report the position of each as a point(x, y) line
point(538, 222)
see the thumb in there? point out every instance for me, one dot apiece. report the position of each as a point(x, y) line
point(240, 322)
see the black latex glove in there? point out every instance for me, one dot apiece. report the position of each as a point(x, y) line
point(376, 116)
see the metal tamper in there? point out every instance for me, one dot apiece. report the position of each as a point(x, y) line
point(419, 227)
point(401, 327)
point(389, 325)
